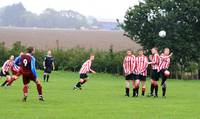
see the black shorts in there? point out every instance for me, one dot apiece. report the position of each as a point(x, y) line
point(129, 77)
point(162, 75)
point(141, 77)
point(83, 76)
point(48, 70)
point(4, 75)
point(155, 75)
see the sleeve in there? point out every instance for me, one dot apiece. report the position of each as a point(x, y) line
point(145, 64)
point(89, 65)
point(17, 60)
point(4, 66)
point(33, 68)
point(124, 65)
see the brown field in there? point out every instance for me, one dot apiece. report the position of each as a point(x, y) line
point(53, 38)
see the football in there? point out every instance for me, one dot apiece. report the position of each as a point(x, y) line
point(162, 34)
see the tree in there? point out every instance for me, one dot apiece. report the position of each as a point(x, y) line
point(179, 18)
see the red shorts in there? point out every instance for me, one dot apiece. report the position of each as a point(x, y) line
point(27, 77)
point(16, 73)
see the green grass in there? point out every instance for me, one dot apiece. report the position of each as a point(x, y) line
point(101, 98)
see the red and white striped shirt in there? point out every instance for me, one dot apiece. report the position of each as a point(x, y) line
point(164, 62)
point(155, 61)
point(129, 65)
point(141, 65)
point(86, 67)
point(7, 66)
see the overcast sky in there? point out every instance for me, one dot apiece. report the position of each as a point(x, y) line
point(101, 9)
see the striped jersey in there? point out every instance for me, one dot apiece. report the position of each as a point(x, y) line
point(86, 67)
point(164, 62)
point(129, 65)
point(155, 61)
point(141, 65)
point(7, 66)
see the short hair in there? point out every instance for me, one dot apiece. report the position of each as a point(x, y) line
point(29, 49)
point(155, 48)
point(92, 54)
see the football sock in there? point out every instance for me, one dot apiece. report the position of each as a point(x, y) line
point(152, 88)
point(127, 91)
point(156, 90)
point(39, 89)
point(25, 90)
point(3, 84)
point(47, 78)
point(133, 92)
point(143, 91)
point(44, 77)
point(11, 81)
point(163, 91)
point(78, 84)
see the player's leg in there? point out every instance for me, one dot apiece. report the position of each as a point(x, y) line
point(83, 79)
point(13, 78)
point(25, 88)
point(156, 83)
point(143, 81)
point(39, 89)
point(44, 75)
point(127, 87)
point(163, 83)
point(8, 78)
point(134, 91)
point(137, 86)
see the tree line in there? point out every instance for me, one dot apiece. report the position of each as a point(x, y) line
point(105, 61)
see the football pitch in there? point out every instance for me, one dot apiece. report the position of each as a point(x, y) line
point(101, 98)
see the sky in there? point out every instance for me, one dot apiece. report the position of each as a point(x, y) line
point(101, 9)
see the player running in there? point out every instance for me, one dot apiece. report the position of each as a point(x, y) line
point(141, 71)
point(154, 58)
point(163, 67)
point(29, 73)
point(129, 67)
point(86, 68)
point(48, 65)
point(6, 68)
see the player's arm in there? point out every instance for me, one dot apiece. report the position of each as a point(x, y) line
point(145, 65)
point(53, 64)
point(4, 66)
point(44, 63)
point(124, 66)
point(33, 68)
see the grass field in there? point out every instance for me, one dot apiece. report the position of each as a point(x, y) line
point(101, 98)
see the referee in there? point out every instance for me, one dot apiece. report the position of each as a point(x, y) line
point(48, 65)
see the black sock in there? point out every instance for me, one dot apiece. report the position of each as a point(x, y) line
point(3, 84)
point(78, 84)
point(152, 88)
point(163, 91)
point(44, 77)
point(47, 78)
point(156, 90)
point(133, 92)
point(127, 91)
point(137, 91)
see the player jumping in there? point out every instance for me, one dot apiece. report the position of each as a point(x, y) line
point(86, 68)
point(48, 64)
point(129, 67)
point(29, 73)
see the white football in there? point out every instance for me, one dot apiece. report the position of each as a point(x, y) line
point(162, 34)
point(167, 73)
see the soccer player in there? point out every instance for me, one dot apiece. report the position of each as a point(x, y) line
point(6, 68)
point(129, 67)
point(48, 64)
point(86, 68)
point(15, 70)
point(163, 66)
point(141, 71)
point(29, 73)
point(154, 58)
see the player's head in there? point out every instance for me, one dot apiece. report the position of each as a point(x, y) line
point(92, 56)
point(129, 52)
point(12, 57)
point(140, 52)
point(21, 53)
point(49, 53)
point(166, 51)
point(154, 50)
point(30, 50)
